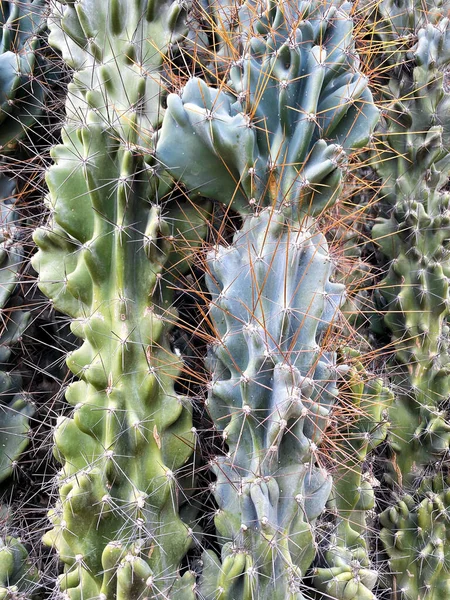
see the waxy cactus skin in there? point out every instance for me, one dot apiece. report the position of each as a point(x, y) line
point(272, 147)
point(108, 258)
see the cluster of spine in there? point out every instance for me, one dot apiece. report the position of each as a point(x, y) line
point(107, 259)
point(272, 146)
point(413, 163)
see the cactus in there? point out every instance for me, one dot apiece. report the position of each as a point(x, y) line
point(348, 573)
point(15, 409)
point(414, 170)
point(413, 164)
point(272, 389)
point(18, 577)
point(262, 150)
point(22, 70)
point(416, 535)
point(108, 257)
point(264, 139)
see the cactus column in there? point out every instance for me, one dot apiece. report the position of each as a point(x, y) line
point(413, 234)
point(107, 258)
point(272, 147)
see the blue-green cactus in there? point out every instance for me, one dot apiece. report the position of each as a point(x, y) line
point(272, 389)
point(22, 71)
point(108, 258)
point(266, 139)
point(271, 145)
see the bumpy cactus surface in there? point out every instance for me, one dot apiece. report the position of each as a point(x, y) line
point(295, 104)
point(349, 573)
point(413, 233)
point(18, 577)
point(15, 409)
point(22, 89)
point(107, 258)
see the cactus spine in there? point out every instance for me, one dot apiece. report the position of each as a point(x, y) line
point(107, 258)
point(263, 151)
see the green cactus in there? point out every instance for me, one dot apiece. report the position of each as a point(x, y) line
point(22, 70)
point(108, 258)
point(416, 535)
point(414, 237)
point(15, 409)
point(261, 150)
point(18, 576)
point(413, 163)
point(348, 573)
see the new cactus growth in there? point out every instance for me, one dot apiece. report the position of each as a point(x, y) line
point(272, 146)
point(108, 258)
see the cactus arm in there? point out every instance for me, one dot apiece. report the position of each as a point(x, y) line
point(255, 155)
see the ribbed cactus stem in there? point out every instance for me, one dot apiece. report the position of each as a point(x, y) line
point(414, 238)
point(272, 389)
point(273, 147)
point(349, 573)
point(413, 232)
point(108, 258)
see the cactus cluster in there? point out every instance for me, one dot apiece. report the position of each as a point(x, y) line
point(320, 466)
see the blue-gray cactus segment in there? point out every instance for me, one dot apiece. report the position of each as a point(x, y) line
point(294, 106)
point(273, 385)
point(22, 71)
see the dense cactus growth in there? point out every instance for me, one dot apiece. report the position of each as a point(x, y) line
point(299, 474)
point(107, 259)
point(349, 573)
point(413, 163)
